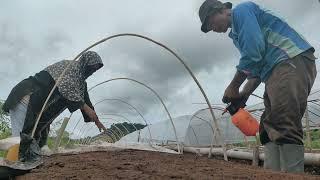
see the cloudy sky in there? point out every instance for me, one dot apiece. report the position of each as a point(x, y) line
point(36, 33)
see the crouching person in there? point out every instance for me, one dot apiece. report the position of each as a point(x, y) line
point(26, 99)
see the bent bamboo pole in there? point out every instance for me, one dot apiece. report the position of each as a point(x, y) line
point(118, 115)
point(213, 132)
point(163, 46)
point(94, 106)
point(83, 127)
point(122, 135)
point(157, 95)
point(122, 101)
point(111, 136)
point(119, 134)
point(119, 130)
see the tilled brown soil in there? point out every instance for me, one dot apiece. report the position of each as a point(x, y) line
point(134, 164)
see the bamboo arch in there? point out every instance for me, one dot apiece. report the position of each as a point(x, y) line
point(120, 131)
point(112, 135)
point(91, 139)
point(99, 114)
point(195, 115)
point(163, 46)
point(124, 102)
point(118, 115)
point(156, 94)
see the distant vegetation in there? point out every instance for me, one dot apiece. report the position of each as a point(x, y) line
point(5, 130)
point(314, 135)
point(315, 139)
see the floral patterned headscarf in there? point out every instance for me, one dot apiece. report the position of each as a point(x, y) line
point(72, 84)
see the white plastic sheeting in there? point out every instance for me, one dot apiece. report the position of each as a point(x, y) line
point(192, 130)
point(200, 130)
point(197, 129)
point(162, 132)
point(104, 146)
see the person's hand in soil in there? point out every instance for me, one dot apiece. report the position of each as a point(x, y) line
point(93, 117)
point(100, 125)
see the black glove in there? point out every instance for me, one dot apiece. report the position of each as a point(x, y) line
point(231, 94)
point(232, 91)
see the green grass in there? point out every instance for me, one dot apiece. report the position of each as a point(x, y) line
point(315, 144)
point(64, 142)
point(4, 135)
point(315, 139)
point(2, 153)
point(314, 135)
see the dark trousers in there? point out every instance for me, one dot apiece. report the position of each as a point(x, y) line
point(285, 100)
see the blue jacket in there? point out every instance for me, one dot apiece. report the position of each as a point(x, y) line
point(263, 40)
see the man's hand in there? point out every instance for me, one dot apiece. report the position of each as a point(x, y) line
point(232, 91)
point(231, 94)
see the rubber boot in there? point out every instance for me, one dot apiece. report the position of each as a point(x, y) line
point(292, 158)
point(272, 156)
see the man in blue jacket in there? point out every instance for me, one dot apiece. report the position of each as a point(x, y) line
point(272, 52)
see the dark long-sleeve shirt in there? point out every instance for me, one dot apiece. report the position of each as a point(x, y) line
point(40, 86)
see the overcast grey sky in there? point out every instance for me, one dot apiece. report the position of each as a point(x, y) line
point(36, 33)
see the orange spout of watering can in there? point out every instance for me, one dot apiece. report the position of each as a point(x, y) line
point(241, 118)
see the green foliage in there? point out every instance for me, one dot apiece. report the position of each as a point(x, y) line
point(65, 134)
point(2, 153)
point(244, 144)
point(65, 141)
point(315, 135)
point(4, 126)
point(315, 139)
point(4, 123)
point(50, 142)
point(4, 134)
point(315, 144)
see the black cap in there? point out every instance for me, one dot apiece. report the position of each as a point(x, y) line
point(209, 7)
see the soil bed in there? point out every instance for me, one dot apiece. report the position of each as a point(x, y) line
point(135, 164)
